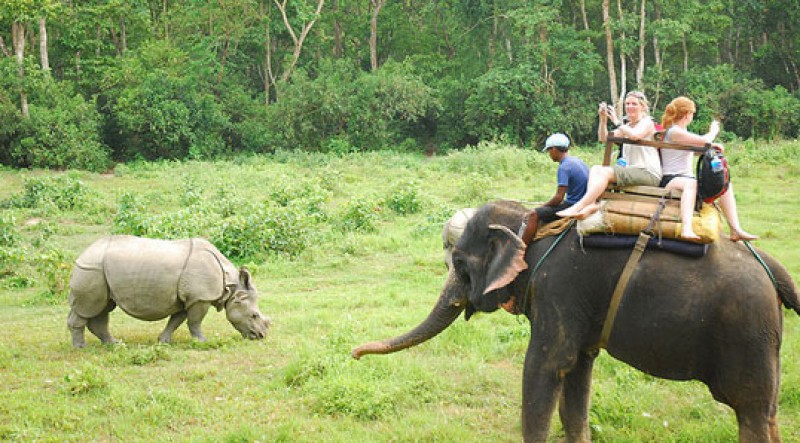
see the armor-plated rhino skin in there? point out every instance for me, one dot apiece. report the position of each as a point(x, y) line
point(153, 279)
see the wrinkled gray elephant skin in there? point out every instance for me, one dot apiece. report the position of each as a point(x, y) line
point(154, 279)
point(715, 319)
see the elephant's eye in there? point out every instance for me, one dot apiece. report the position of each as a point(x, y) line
point(461, 270)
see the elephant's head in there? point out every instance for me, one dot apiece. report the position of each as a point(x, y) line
point(485, 259)
point(242, 310)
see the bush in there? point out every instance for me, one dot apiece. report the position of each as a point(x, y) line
point(512, 103)
point(342, 109)
point(404, 200)
point(262, 230)
point(9, 237)
point(359, 215)
point(160, 111)
point(62, 192)
point(64, 137)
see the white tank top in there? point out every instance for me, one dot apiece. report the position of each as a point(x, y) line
point(643, 156)
point(676, 161)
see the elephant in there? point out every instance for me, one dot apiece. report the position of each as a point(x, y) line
point(153, 279)
point(716, 319)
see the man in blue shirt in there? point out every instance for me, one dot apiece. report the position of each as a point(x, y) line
point(572, 176)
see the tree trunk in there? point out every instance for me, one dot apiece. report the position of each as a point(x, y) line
point(123, 36)
point(43, 45)
point(657, 58)
point(164, 17)
point(492, 38)
point(583, 16)
point(298, 40)
point(18, 41)
point(640, 68)
point(623, 65)
point(612, 73)
point(3, 47)
point(267, 75)
point(685, 53)
point(373, 33)
point(338, 49)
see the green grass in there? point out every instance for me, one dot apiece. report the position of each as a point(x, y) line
point(349, 286)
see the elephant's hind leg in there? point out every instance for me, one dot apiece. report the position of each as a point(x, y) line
point(98, 325)
point(175, 320)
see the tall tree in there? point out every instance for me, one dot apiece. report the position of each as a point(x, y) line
point(307, 22)
point(18, 41)
point(610, 63)
point(373, 33)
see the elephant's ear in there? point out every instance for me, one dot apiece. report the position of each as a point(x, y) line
point(508, 258)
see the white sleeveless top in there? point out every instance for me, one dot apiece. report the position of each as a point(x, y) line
point(645, 157)
point(676, 161)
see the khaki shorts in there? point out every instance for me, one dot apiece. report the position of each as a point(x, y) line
point(632, 176)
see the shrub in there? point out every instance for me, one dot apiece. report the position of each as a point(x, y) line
point(130, 218)
point(62, 192)
point(404, 200)
point(9, 236)
point(360, 215)
point(62, 131)
point(85, 380)
point(54, 268)
point(263, 230)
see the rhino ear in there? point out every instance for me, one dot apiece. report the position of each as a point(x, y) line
point(245, 279)
point(507, 260)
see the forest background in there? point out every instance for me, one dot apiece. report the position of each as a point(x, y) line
point(84, 84)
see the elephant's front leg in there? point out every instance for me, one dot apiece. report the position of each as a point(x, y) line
point(541, 387)
point(195, 316)
point(575, 398)
point(175, 320)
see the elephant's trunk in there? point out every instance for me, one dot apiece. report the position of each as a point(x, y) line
point(442, 316)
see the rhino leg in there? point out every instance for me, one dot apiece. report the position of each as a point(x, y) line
point(76, 325)
point(98, 325)
point(175, 320)
point(195, 315)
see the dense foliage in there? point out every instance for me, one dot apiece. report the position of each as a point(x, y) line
point(83, 84)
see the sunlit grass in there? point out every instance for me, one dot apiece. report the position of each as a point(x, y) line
point(300, 385)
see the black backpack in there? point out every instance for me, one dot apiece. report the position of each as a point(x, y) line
point(711, 182)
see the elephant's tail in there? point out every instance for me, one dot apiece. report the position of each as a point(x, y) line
point(787, 289)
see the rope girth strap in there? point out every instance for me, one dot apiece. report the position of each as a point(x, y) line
point(627, 272)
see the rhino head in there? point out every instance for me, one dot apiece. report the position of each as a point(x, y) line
point(242, 311)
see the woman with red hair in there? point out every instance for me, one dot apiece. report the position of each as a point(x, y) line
point(676, 167)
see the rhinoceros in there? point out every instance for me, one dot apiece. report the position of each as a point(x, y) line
point(153, 279)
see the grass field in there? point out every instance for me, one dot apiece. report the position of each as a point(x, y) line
point(369, 266)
